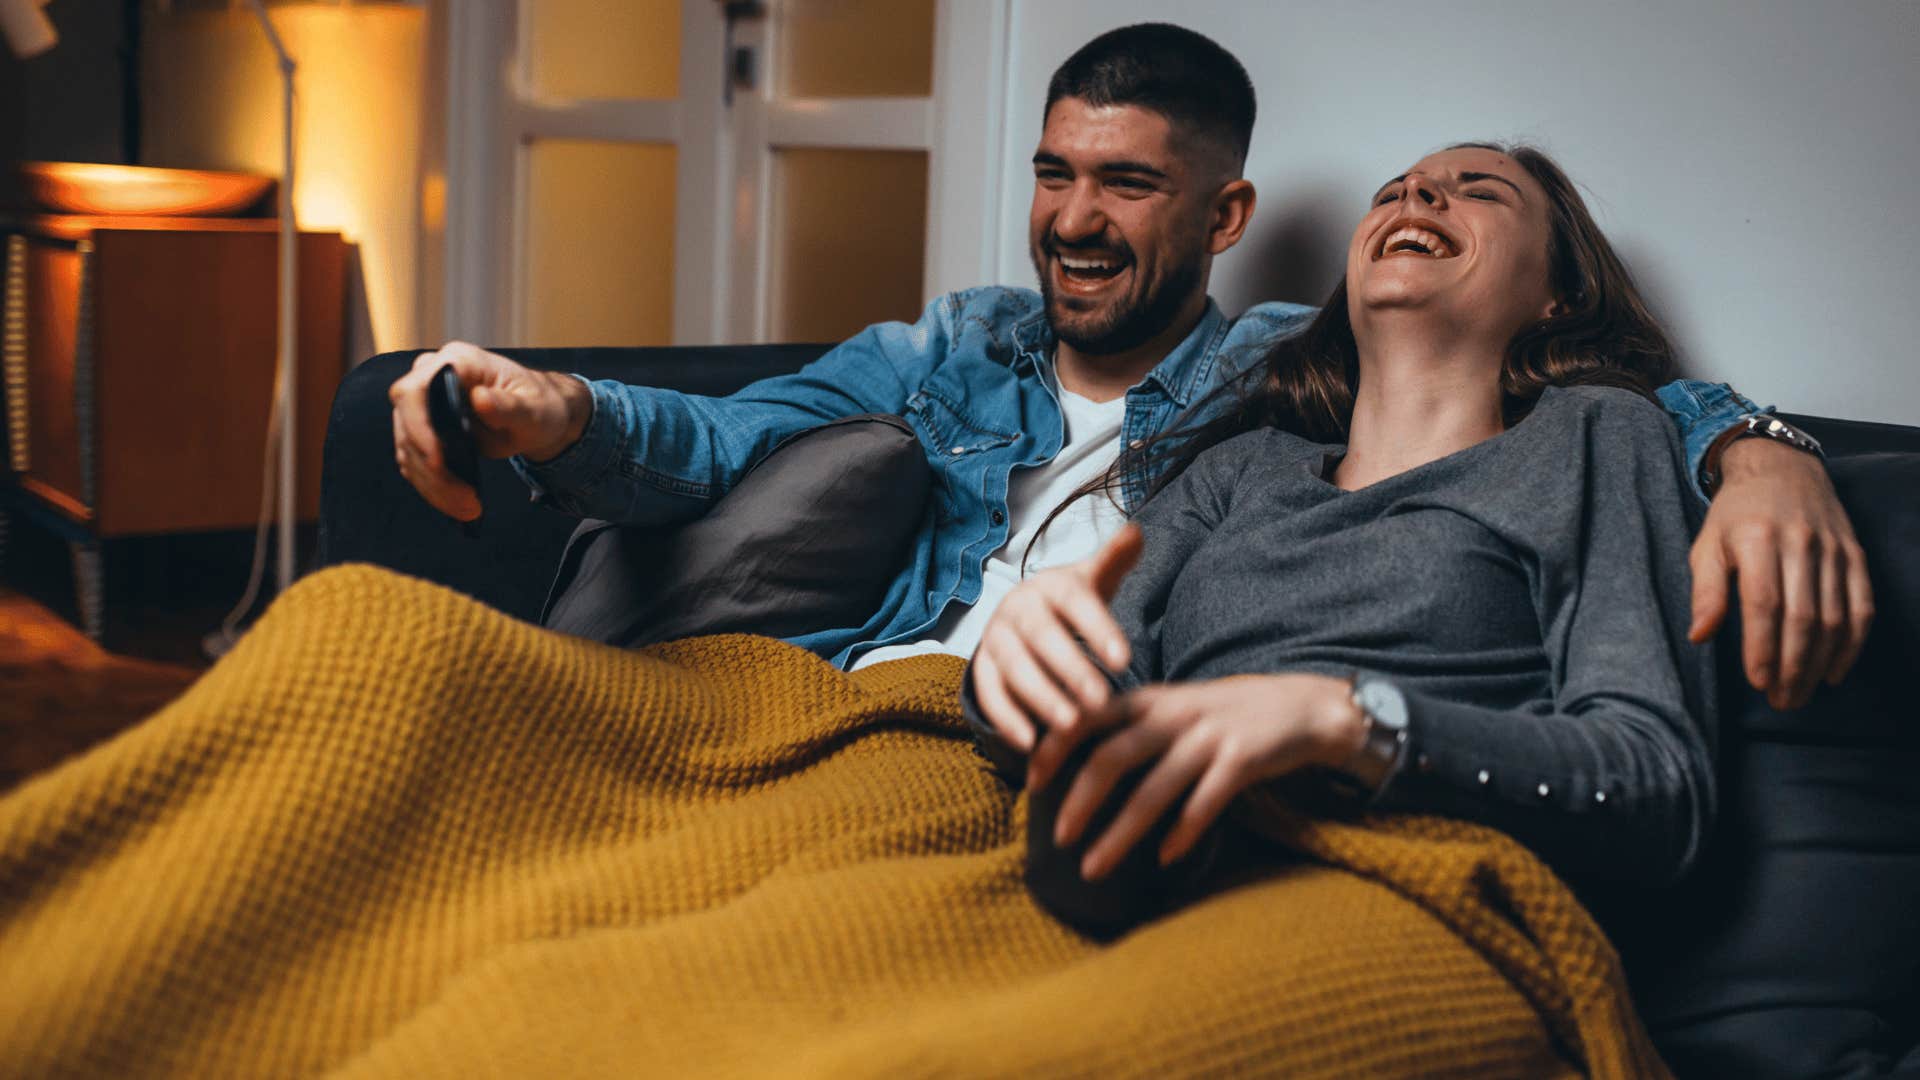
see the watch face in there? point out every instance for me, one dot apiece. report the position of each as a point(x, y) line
point(1384, 702)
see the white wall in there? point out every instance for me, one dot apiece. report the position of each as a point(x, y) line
point(211, 100)
point(1756, 161)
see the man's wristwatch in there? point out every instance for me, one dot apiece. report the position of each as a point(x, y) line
point(1762, 425)
point(1385, 709)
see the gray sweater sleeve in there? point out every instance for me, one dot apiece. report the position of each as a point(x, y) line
point(1613, 778)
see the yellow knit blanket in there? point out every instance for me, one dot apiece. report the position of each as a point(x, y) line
point(395, 833)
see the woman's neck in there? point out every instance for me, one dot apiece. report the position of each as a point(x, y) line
point(1423, 395)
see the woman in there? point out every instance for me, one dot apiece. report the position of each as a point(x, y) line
point(1461, 586)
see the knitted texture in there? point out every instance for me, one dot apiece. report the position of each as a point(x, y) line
point(395, 833)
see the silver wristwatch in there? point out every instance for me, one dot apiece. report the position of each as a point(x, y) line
point(1385, 710)
point(1762, 425)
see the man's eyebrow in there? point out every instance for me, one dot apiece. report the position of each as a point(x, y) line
point(1140, 168)
point(1388, 184)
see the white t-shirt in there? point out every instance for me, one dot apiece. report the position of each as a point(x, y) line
point(1089, 444)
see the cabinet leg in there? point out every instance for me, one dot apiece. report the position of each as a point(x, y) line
point(6, 526)
point(89, 586)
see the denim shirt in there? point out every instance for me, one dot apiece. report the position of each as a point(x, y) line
point(968, 376)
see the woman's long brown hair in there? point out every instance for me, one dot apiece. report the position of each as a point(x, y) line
point(1600, 334)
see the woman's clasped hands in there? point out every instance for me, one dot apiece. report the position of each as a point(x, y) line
point(1046, 693)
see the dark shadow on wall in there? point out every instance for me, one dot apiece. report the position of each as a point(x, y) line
point(1656, 288)
point(1296, 249)
point(357, 336)
point(72, 103)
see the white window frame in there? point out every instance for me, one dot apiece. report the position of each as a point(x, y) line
point(723, 259)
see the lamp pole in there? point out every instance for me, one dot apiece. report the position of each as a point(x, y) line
point(289, 263)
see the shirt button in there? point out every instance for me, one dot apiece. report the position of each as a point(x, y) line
point(1485, 778)
point(1600, 797)
point(958, 450)
point(1423, 763)
point(1136, 444)
point(1543, 789)
point(999, 518)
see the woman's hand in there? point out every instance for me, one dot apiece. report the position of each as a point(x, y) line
point(1029, 667)
point(1214, 738)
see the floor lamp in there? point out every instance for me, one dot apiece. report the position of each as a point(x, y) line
point(289, 261)
point(280, 421)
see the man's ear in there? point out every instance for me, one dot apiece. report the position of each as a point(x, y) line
point(1232, 210)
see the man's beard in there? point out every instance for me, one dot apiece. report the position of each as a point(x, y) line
point(1126, 323)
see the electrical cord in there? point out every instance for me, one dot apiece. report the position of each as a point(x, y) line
point(217, 643)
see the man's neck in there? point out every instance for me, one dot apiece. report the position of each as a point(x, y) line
point(1423, 395)
point(1106, 376)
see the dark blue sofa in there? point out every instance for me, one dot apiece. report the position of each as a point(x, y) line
point(1793, 951)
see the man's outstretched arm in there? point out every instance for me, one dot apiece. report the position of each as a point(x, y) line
point(643, 455)
point(1776, 531)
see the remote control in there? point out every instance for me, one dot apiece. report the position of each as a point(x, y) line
point(452, 417)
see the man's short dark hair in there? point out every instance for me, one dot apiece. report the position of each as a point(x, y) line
point(1184, 76)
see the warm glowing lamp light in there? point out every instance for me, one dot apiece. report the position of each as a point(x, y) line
point(89, 187)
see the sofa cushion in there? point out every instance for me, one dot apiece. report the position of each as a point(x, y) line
point(810, 539)
point(1794, 948)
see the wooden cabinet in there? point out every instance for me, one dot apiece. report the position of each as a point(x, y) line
point(139, 358)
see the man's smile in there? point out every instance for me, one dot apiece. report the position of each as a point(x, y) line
point(1086, 272)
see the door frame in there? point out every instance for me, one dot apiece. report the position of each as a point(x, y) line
point(480, 111)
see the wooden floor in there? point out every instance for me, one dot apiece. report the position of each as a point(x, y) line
point(60, 693)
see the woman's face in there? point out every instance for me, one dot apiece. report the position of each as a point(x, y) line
point(1462, 234)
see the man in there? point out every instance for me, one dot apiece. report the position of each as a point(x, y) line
point(1019, 398)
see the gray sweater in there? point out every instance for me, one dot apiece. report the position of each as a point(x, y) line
point(1529, 595)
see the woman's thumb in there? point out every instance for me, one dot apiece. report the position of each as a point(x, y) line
point(1116, 559)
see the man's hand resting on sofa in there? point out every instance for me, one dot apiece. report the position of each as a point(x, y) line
point(535, 414)
point(1777, 529)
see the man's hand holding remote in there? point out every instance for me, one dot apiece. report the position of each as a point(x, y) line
point(516, 410)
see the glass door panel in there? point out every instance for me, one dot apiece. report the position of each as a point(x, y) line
point(856, 48)
point(850, 231)
point(592, 49)
point(599, 221)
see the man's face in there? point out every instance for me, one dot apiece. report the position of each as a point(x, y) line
point(1118, 228)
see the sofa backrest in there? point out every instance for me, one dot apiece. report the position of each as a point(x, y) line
point(1793, 950)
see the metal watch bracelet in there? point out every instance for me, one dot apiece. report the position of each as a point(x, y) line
point(1760, 425)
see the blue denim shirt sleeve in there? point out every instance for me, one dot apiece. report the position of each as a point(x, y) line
point(1703, 412)
point(653, 457)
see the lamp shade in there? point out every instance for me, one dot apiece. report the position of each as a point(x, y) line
point(27, 29)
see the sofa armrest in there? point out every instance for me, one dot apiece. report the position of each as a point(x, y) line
point(369, 513)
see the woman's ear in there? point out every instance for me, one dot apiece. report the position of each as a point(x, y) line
point(1556, 307)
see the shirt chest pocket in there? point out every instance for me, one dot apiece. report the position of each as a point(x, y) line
point(948, 431)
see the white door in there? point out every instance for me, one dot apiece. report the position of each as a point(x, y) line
point(651, 172)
